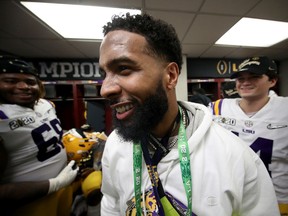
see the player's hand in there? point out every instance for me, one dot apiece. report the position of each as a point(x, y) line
point(64, 178)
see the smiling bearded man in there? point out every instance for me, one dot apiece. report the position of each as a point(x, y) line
point(167, 157)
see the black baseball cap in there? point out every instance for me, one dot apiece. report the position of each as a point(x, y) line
point(10, 64)
point(257, 65)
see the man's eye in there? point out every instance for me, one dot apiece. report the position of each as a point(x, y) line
point(31, 83)
point(11, 81)
point(122, 68)
point(256, 77)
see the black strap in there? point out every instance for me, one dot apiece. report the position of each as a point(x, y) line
point(154, 182)
point(157, 186)
point(162, 148)
point(81, 132)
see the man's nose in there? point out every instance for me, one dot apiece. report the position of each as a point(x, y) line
point(110, 86)
point(22, 84)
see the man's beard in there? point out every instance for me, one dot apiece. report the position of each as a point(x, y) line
point(145, 118)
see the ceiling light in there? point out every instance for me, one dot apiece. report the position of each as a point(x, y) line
point(76, 21)
point(250, 32)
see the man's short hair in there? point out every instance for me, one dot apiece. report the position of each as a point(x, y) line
point(160, 36)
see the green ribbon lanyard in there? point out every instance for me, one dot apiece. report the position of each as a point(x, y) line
point(184, 158)
point(137, 169)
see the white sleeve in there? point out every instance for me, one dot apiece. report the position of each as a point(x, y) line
point(259, 196)
point(110, 199)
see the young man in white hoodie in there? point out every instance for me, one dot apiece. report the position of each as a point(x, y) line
point(260, 119)
point(167, 157)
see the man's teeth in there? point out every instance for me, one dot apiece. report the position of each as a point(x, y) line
point(122, 109)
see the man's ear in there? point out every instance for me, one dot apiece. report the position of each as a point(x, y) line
point(172, 73)
point(273, 82)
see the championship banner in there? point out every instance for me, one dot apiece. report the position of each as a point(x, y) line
point(211, 68)
point(65, 69)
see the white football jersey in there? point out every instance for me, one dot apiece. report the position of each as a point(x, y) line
point(33, 142)
point(266, 132)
